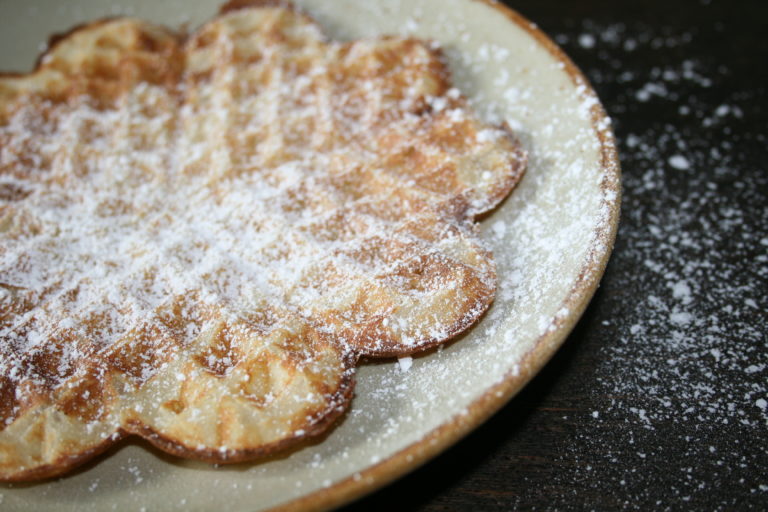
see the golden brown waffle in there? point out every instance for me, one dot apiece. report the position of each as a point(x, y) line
point(200, 236)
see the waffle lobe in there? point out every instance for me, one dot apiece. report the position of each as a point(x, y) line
point(201, 235)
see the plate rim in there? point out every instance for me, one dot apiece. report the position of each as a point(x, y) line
point(544, 347)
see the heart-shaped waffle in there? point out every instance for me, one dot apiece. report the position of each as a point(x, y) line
point(200, 236)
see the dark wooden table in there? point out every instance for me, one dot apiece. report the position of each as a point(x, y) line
point(658, 399)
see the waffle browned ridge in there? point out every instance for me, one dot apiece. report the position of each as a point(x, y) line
point(201, 235)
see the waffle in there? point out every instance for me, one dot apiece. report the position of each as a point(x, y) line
point(201, 235)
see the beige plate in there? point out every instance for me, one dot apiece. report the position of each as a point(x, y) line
point(552, 239)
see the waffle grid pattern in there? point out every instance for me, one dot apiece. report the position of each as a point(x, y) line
point(200, 236)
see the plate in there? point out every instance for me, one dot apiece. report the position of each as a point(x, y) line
point(551, 238)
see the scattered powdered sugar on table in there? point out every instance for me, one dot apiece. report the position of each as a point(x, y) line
point(690, 360)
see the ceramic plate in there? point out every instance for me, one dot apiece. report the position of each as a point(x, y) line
point(551, 239)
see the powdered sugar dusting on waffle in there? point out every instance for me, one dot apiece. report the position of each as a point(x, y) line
point(277, 182)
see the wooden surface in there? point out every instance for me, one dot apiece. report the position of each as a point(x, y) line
point(657, 401)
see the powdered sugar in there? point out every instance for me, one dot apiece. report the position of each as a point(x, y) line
point(686, 373)
point(136, 231)
point(288, 203)
point(679, 162)
point(544, 238)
